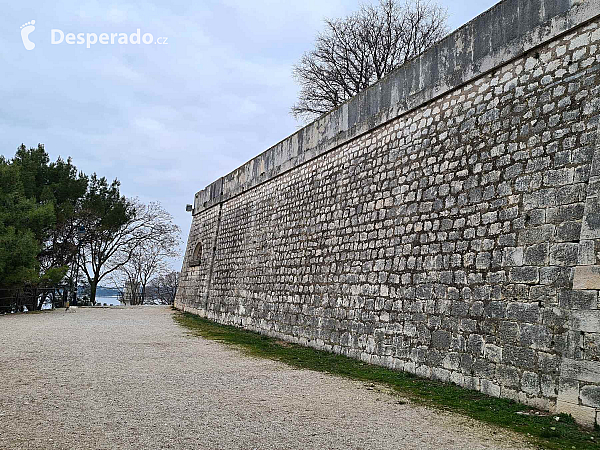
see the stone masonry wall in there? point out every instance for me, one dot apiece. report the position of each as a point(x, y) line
point(193, 283)
point(459, 241)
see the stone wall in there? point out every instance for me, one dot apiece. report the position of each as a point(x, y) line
point(452, 232)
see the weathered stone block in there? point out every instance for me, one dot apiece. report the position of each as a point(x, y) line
point(535, 336)
point(578, 299)
point(495, 310)
point(549, 386)
point(530, 383)
point(509, 332)
point(523, 312)
point(568, 231)
point(583, 414)
point(568, 390)
point(586, 371)
point(519, 356)
point(536, 255)
point(545, 294)
point(565, 213)
point(472, 383)
point(492, 353)
point(587, 253)
point(586, 277)
point(475, 344)
point(590, 228)
point(457, 378)
point(512, 256)
point(592, 346)
point(490, 388)
point(565, 254)
point(556, 276)
point(508, 393)
point(536, 235)
point(590, 396)
point(528, 274)
point(586, 321)
point(437, 373)
point(508, 375)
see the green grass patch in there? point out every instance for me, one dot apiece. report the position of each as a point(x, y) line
point(542, 430)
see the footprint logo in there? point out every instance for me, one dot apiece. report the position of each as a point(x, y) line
point(26, 30)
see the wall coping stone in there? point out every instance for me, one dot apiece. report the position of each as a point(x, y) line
point(506, 31)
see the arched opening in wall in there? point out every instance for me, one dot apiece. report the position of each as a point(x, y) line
point(196, 255)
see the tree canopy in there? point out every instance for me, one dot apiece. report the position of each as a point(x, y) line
point(56, 222)
point(22, 222)
point(37, 201)
point(351, 54)
point(127, 240)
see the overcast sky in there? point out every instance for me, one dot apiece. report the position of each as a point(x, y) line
point(165, 119)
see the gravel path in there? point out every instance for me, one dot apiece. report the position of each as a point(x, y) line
point(133, 379)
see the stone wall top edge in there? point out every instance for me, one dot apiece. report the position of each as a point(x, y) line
point(508, 30)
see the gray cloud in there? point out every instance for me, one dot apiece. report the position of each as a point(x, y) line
point(165, 119)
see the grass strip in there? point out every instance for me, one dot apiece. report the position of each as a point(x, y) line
point(542, 430)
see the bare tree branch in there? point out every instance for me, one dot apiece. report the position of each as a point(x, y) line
point(147, 256)
point(163, 288)
point(135, 247)
point(353, 53)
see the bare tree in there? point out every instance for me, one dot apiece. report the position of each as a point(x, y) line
point(353, 53)
point(163, 288)
point(150, 258)
point(111, 247)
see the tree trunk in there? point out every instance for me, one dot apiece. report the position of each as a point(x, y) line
point(41, 302)
point(93, 286)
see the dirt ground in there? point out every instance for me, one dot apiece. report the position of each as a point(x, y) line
point(131, 378)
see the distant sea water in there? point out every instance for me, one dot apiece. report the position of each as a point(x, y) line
point(110, 301)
